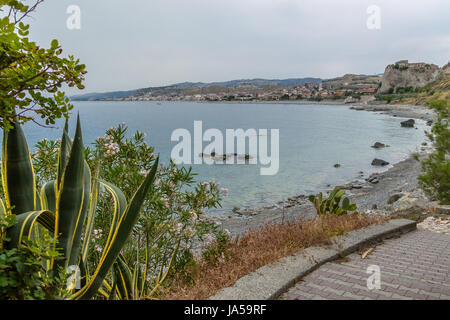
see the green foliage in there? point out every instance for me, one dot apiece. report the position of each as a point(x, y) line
point(66, 207)
point(171, 224)
point(31, 76)
point(332, 205)
point(435, 179)
point(402, 90)
point(22, 274)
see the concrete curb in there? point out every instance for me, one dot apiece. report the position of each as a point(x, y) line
point(270, 281)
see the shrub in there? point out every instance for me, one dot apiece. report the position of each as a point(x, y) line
point(65, 208)
point(172, 218)
point(331, 205)
point(435, 179)
point(22, 273)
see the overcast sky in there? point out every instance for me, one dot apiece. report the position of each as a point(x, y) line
point(140, 43)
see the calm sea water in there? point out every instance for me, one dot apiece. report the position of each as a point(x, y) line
point(312, 139)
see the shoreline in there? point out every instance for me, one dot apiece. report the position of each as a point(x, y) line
point(371, 194)
point(395, 110)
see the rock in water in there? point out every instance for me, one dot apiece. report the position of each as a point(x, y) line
point(408, 123)
point(378, 145)
point(379, 162)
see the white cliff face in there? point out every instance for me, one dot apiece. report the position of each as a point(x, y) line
point(404, 74)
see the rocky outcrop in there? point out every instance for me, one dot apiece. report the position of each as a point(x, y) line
point(408, 123)
point(413, 202)
point(403, 74)
point(443, 209)
point(351, 99)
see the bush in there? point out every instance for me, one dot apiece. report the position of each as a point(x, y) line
point(435, 179)
point(22, 274)
point(332, 204)
point(66, 208)
point(172, 219)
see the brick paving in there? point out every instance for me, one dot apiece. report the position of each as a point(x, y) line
point(415, 266)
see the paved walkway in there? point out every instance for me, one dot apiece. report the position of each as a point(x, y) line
point(413, 266)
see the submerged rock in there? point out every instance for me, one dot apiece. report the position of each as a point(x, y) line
point(379, 162)
point(373, 178)
point(378, 145)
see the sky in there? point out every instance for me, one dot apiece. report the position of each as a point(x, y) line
point(142, 43)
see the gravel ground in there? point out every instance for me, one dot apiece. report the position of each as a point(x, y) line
point(436, 224)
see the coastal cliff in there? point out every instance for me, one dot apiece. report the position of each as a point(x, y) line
point(403, 74)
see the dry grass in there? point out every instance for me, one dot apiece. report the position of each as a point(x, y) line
point(260, 246)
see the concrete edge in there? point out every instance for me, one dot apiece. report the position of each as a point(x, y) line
point(270, 281)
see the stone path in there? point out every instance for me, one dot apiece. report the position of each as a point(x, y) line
point(413, 266)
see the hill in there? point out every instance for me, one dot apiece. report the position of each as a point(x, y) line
point(437, 88)
point(192, 88)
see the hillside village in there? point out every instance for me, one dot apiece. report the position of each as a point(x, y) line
point(339, 88)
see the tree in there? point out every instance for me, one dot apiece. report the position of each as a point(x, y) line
point(31, 77)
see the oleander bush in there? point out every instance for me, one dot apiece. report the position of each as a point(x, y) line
point(65, 209)
point(171, 226)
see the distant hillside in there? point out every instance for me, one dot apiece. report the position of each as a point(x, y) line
point(253, 82)
point(195, 87)
point(103, 95)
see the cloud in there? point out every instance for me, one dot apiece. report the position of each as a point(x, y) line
point(136, 43)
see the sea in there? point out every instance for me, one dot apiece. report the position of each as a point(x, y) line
point(312, 139)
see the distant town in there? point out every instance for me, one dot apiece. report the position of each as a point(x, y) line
point(349, 87)
point(401, 81)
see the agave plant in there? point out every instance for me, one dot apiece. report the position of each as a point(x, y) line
point(66, 208)
point(332, 203)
